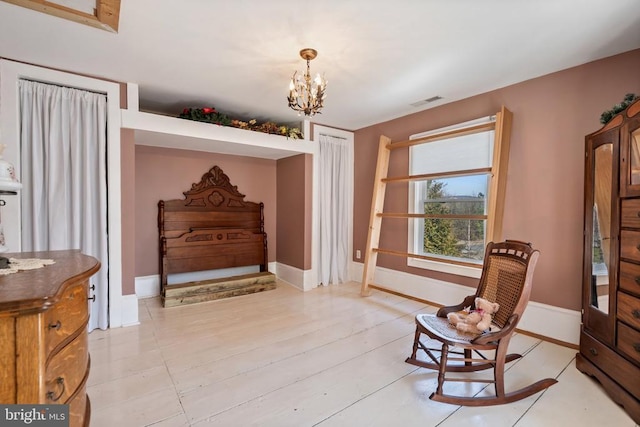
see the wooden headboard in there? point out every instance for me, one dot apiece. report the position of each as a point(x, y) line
point(211, 228)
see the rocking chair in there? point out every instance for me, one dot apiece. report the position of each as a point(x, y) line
point(506, 279)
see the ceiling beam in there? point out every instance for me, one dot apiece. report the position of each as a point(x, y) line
point(106, 14)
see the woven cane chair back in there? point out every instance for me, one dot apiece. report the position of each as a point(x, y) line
point(504, 277)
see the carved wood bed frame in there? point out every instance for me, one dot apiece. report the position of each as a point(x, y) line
point(212, 228)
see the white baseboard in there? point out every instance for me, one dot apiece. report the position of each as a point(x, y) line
point(541, 319)
point(301, 279)
point(130, 310)
point(550, 321)
point(147, 286)
point(292, 275)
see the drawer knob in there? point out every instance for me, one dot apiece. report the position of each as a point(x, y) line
point(638, 214)
point(637, 280)
point(51, 394)
point(636, 313)
point(636, 346)
point(55, 326)
point(593, 351)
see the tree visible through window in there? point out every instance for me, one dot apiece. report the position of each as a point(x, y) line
point(451, 228)
point(438, 232)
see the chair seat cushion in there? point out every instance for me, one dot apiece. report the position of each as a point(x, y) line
point(440, 327)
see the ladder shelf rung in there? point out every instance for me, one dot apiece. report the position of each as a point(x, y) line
point(443, 135)
point(429, 216)
point(425, 257)
point(426, 176)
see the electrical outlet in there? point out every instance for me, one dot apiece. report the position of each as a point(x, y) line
point(358, 254)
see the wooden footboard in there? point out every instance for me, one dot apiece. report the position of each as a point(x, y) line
point(212, 228)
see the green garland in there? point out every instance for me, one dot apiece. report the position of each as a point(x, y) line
point(609, 114)
point(211, 115)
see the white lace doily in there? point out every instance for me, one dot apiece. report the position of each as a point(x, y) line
point(19, 264)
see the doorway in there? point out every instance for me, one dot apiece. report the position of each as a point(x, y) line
point(11, 72)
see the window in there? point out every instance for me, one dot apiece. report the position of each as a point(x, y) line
point(451, 195)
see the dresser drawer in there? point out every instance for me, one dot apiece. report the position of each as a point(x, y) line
point(630, 213)
point(613, 364)
point(629, 341)
point(66, 317)
point(630, 245)
point(629, 309)
point(67, 370)
point(630, 277)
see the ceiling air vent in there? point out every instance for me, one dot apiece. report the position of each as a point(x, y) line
point(426, 101)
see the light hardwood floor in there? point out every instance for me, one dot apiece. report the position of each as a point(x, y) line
point(325, 357)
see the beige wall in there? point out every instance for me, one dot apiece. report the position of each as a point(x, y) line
point(544, 200)
point(294, 211)
point(128, 200)
point(164, 174)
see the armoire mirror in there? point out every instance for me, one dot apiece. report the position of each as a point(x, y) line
point(634, 155)
point(600, 260)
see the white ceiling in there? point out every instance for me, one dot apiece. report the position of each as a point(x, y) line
point(379, 56)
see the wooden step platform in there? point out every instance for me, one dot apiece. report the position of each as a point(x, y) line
point(209, 290)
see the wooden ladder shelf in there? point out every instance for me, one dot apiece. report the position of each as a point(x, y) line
point(498, 171)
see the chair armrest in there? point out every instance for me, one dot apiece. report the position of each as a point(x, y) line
point(468, 302)
point(490, 337)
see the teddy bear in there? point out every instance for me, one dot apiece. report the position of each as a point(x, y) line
point(474, 321)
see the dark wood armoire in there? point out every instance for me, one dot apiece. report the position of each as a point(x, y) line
point(610, 334)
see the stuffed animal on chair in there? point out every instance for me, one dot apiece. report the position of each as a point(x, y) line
point(474, 321)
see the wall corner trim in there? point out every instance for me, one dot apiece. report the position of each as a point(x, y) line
point(301, 279)
point(130, 311)
point(147, 286)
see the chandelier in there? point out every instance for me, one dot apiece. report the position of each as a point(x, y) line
point(306, 95)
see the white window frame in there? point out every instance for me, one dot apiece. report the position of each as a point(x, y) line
point(495, 196)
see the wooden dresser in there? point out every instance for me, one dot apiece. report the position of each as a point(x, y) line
point(610, 335)
point(44, 353)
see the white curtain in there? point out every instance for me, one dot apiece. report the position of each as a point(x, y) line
point(336, 200)
point(63, 171)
